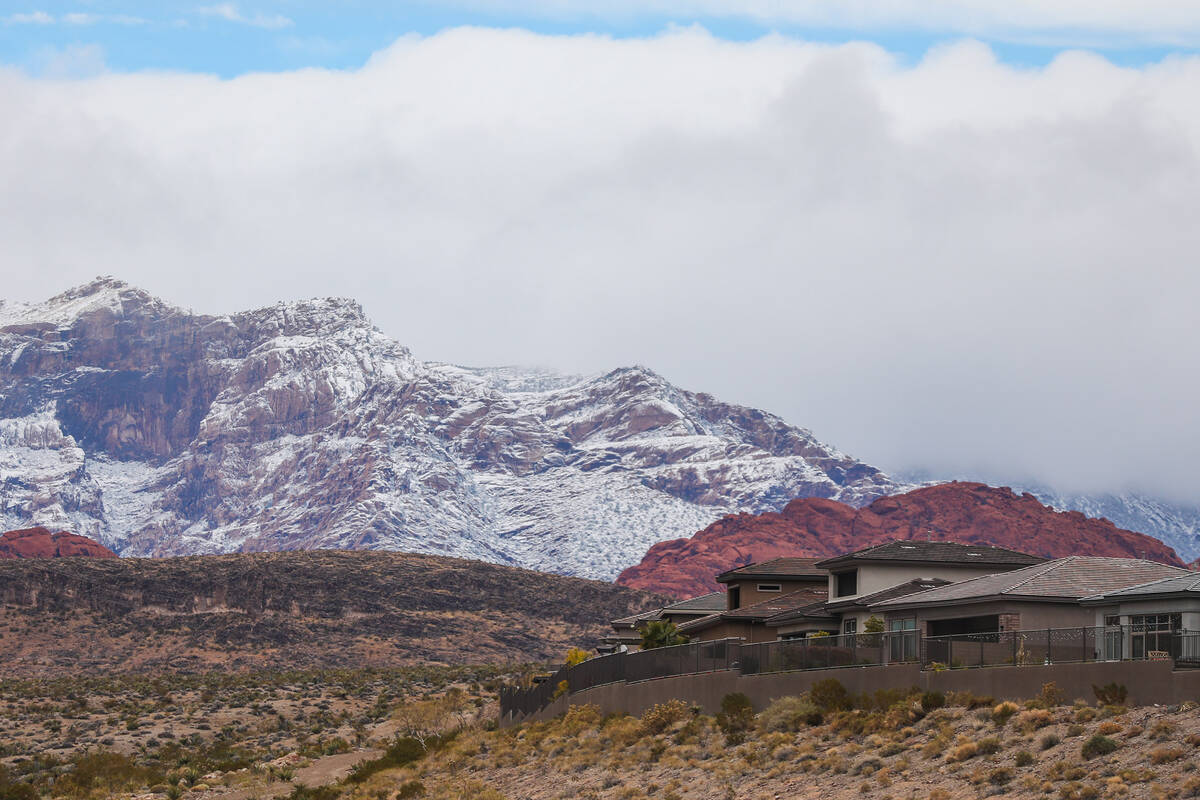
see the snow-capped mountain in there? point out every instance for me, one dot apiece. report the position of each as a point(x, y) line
point(159, 432)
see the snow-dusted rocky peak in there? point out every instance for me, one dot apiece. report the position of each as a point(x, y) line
point(300, 425)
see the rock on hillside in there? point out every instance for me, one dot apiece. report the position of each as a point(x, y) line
point(962, 512)
point(41, 543)
point(163, 432)
point(304, 609)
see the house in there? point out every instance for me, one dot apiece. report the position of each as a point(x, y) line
point(627, 630)
point(749, 622)
point(868, 572)
point(1045, 595)
point(755, 583)
point(1162, 616)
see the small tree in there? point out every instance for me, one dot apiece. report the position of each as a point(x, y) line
point(661, 633)
point(872, 628)
point(576, 656)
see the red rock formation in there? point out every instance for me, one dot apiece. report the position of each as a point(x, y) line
point(961, 512)
point(41, 543)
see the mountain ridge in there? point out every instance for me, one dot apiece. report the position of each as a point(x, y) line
point(959, 511)
point(158, 432)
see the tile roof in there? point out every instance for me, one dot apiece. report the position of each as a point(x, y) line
point(760, 611)
point(1178, 584)
point(937, 552)
point(890, 593)
point(776, 568)
point(713, 601)
point(1073, 577)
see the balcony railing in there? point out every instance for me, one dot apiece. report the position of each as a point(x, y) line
point(955, 651)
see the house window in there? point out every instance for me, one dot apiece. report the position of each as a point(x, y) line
point(1151, 633)
point(735, 597)
point(850, 627)
point(1112, 620)
point(770, 587)
point(846, 583)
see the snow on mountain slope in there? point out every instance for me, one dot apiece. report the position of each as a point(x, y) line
point(159, 432)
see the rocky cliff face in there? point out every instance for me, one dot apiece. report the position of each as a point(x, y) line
point(41, 543)
point(961, 512)
point(163, 432)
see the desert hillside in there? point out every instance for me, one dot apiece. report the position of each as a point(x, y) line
point(300, 609)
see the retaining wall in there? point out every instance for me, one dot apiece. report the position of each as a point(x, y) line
point(1148, 682)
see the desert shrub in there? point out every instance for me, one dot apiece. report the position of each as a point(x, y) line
point(1074, 730)
point(562, 688)
point(1108, 727)
point(789, 714)
point(410, 789)
point(105, 772)
point(883, 699)
point(403, 750)
point(1003, 712)
point(963, 752)
point(1111, 694)
point(1050, 740)
point(1023, 758)
point(1033, 719)
point(829, 695)
point(1098, 745)
point(315, 793)
point(932, 700)
point(735, 717)
point(989, 745)
point(1000, 776)
point(581, 717)
point(1051, 695)
point(14, 790)
point(1162, 731)
point(1164, 755)
point(1085, 714)
point(576, 656)
point(662, 716)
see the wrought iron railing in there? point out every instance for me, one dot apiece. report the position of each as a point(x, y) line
point(954, 651)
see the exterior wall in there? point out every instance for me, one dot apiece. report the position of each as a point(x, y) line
point(751, 595)
point(1148, 682)
point(1014, 614)
point(805, 628)
point(1189, 608)
point(733, 629)
point(877, 577)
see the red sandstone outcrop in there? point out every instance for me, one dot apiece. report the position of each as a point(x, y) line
point(41, 543)
point(961, 512)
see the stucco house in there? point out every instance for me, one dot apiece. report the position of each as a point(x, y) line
point(1150, 618)
point(874, 570)
point(1046, 595)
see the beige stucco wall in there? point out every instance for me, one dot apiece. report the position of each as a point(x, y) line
point(1030, 615)
point(1148, 682)
point(751, 595)
point(877, 577)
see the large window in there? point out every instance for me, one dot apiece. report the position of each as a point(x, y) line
point(846, 583)
point(735, 597)
point(903, 639)
point(850, 627)
point(1154, 633)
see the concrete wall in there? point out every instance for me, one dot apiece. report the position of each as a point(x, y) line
point(1148, 682)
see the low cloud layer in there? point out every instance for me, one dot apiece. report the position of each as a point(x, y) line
point(956, 265)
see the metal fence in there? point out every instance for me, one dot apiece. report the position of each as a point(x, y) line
point(955, 651)
point(663, 662)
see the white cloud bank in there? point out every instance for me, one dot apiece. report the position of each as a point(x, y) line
point(1107, 22)
point(960, 264)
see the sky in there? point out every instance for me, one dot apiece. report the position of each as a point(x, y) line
point(957, 237)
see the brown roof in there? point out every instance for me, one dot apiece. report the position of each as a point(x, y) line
point(890, 593)
point(781, 568)
point(758, 612)
point(936, 553)
point(1069, 578)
